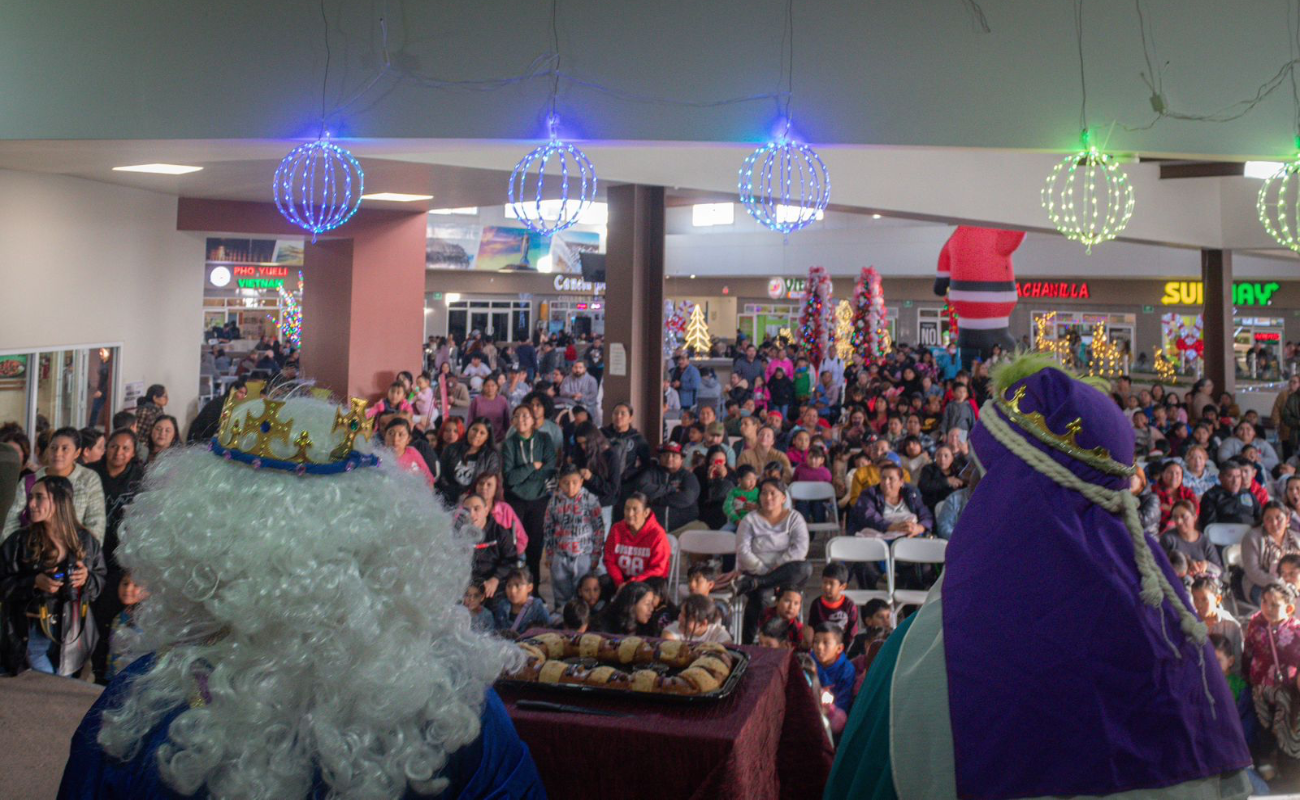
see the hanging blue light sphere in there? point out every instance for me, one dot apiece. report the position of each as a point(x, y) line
point(785, 185)
point(318, 186)
point(526, 192)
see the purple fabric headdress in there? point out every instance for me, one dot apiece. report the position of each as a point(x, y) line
point(1075, 664)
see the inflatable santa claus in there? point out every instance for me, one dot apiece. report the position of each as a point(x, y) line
point(975, 272)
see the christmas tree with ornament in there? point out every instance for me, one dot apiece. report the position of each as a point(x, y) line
point(816, 326)
point(869, 316)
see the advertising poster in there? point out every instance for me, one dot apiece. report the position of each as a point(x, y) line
point(566, 246)
point(452, 245)
point(13, 366)
point(509, 248)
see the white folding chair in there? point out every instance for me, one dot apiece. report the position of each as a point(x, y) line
point(855, 549)
point(713, 543)
point(816, 491)
point(914, 551)
point(1225, 534)
point(1232, 558)
point(674, 561)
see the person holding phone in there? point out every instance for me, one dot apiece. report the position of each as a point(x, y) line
point(50, 571)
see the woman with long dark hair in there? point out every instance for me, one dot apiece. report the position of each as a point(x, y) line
point(463, 461)
point(599, 465)
point(50, 571)
point(631, 608)
point(530, 464)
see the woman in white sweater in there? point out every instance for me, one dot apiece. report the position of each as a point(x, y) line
point(771, 548)
point(87, 490)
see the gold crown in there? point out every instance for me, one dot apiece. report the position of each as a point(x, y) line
point(268, 428)
point(1036, 425)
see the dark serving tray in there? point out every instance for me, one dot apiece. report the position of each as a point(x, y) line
point(582, 690)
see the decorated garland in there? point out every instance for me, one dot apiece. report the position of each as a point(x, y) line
point(816, 327)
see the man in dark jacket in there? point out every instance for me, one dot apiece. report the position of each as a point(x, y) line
point(205, 425)
point(631, 448)
point(673, 491)
point(1230, 501)
point(527, 359)
point(749, 366)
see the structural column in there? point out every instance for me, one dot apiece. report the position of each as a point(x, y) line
point(634, 304)
point(363, 293)
point(1216, 277)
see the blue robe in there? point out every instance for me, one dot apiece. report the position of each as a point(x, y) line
point(497, 765)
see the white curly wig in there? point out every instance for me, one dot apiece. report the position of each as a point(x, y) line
point(323, 610)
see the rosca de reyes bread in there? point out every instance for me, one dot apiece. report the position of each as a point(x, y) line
point(627, 663)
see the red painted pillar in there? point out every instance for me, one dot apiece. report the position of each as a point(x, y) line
point(363, 298)
point(363, 306)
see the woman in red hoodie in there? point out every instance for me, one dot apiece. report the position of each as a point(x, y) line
point(637, 547)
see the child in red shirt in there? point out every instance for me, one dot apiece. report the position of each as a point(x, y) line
point(637, 547)
point(832, 606)
point(789, 605)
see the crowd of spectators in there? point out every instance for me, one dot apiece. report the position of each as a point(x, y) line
point(512, 438)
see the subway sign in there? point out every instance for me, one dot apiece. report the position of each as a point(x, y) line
point(249, 277)
point(1052, 289)
point(1192, 293)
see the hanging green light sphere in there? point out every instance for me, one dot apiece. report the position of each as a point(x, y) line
point(1279, 205)
point(1088, 197)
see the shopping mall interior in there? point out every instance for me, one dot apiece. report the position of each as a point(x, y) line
point(162, 218)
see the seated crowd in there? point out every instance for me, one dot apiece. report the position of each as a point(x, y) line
point(512, 439)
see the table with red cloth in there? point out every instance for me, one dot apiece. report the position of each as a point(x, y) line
point(766, 740)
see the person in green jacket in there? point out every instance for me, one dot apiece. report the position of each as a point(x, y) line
point(803, 381)
point(744, 498)
point(531, 461)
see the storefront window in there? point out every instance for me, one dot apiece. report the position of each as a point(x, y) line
point(57, 388)
point(1257, 347)
point(501, 320)
point(1078, 328)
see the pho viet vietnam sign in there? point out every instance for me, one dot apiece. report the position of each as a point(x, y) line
point(248, 277)
point(1192, 293)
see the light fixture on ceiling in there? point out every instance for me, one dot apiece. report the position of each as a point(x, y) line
point(396, 197)
point(875, 216)
point(464, 211)
point(159, 169)
point(1262, 170)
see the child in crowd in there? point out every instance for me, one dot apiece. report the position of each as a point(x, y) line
point(803, 381)
point(698, 621)
point(835, 672)
point(1181, 567)
point(877, 623)
point(398, 438)
point(742, 499)
point(394, 403)
point(1288, 570)
point(1237, 685)
point(577, 615)
point(814, 470)
point(480, 618)
point(1273, 653)
point(798, 451)
point(592, 593)
point(789, 607)
point(775, 634)
point(575, 534)
point(521, 610)
point(1207, 599)
point(665, 612)
point(124, 629)
point(425, 409)
point(832, 606)
point(701, 579)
